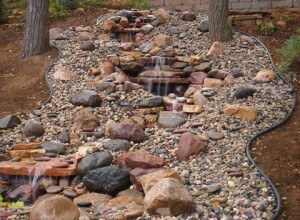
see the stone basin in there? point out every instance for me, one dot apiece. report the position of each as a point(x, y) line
point(41, 168)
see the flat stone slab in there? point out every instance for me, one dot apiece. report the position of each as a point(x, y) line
point(160, 80)
point(42, 168)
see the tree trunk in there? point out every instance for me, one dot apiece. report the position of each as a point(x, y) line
point(219, 27)
point(36, 39)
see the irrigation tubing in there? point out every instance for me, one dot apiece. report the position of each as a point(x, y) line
point(250, 141)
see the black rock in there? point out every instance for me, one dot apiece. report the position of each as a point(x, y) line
point(84, 204)
point(107, 86)
point(94, 161)
point(237, 73)
point(9, 121)
point(155, 101)
point(189, 70)
point(107, 180)
point(116, 145)
point(132, 68)
point(87, 98)
point(33, 129)
point(244, 92)
point(157, 22)
point(54, 147)
point(64, 137)
point(125, 13)
point(87, 46)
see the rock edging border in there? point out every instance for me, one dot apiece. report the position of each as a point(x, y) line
point(250, 141)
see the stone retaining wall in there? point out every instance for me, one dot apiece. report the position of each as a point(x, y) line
point(203, 5)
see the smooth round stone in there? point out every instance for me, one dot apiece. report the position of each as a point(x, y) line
point(181, 99)
point(40, 159)
point(59, 164)
point(51, 155)
point(172, 96)
point(69, 193)
point(84, 204)
point(54, 189)
point(215, 135)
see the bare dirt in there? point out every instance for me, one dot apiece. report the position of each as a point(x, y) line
point(278, 152)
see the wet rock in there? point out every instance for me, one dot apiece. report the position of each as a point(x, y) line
point(130, 132)
point(243, 112)
point(64, 137)
point(54, 189)
point(86, 120)
point(109, 180)
point(243, 92)
point(149, 180)
point(162, 40)
point(96, 199)
point(45, 182)
point(33, 129)
point(131, 68)
point(116, 145)
point(138, 159)
point(189, 145)
point(216, 49)
point(171, 119)
point(54, 147)
point(265, 76)
point(162, 200)
point(155, 101)
point(55, 208)
point(9, 121)
point(86, 98)
point(204, 26)
point(22, 193)
point(94, 161)
point(87, 46)
point(187, 16)
point(57, 34)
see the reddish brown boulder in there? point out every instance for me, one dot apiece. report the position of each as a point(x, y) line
point(168, 197)
point(198, 78)
point(139, 159)
point(130, 132)
point(86, 120)
point(124, 22)
point(27, 146)
point(136, 174)
point(189, 144)
point(109, 25)
point(188, 16)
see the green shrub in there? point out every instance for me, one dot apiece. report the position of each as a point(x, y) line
point(266, 29)
point(91, 2)
point(3, 13)
point(140, 4)
point(20, 4)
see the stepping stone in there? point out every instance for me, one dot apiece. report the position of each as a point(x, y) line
point(54, 189)
point(69, 193)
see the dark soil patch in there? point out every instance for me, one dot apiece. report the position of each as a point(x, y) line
point(278, 152)
point(22, 83)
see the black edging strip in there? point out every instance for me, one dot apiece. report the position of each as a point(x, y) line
point(47, 71)
point(249, 143)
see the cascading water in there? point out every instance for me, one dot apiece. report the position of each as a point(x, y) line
point(35, 174)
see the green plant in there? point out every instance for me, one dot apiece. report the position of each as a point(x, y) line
point(265, 29)
point(292, 19)
point(290, 53)
point(3, 12)
point(19, 4)
point(140, 4)
point(15, 205)
point(91, 2)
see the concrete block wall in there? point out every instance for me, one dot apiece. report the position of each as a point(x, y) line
point(203, 5)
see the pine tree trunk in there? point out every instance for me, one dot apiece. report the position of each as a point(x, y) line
point(219, 27)
point(36, 39)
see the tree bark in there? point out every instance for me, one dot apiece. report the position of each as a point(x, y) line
point(219, 27)
point(36, 40)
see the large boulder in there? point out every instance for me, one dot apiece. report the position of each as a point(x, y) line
point(130, 132)
point(189, 145)
point(86, 98)
point(116, 145)
point(33, 129)
point(94, 161)
point(108, 180)
point(150, 179)
point(168, 197)
point(155, 101)
point(54, 147)
point(55, 208)
point(243, 112)
point(139, 159)
point(86, 120)
point(171, 119)
point(9, 121)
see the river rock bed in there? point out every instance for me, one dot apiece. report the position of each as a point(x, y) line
point(221, 180)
